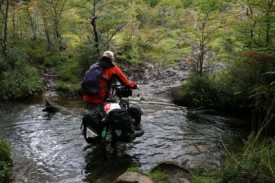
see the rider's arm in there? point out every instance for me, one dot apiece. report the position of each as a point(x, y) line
point(123, 79)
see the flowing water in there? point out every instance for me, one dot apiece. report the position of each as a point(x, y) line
point(50, 147)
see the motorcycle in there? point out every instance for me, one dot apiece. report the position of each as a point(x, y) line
point(119, 122)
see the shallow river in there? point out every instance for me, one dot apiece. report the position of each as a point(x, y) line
point(50, 147)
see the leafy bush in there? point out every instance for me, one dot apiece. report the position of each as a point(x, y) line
point(5, 162)
point(70, 78)
point(239, 86)
point(54, 60)
point(19, 80)
point(85, 54)
point(36, 50)
point(197, 91)
point(69, 88)
point(18, 84)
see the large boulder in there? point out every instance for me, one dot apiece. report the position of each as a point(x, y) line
point(175, 172)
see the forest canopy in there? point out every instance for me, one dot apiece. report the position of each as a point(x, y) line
point(67, 35)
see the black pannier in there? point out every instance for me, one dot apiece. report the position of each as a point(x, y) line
point(121, 124)
point(92, 127)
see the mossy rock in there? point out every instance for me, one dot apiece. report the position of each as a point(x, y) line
point(174, 172)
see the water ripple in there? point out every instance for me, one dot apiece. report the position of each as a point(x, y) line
point(50, 147)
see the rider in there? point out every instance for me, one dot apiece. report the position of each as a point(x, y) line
point(110, 71)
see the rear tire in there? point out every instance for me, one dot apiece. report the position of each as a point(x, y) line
point(137, 120)
point(136, 112)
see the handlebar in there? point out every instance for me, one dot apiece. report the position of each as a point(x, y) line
point(122, 90)
point(118, 86)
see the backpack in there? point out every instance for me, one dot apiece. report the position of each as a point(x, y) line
point(91, 80)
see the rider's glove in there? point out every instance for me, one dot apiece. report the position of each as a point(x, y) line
point(133, 85)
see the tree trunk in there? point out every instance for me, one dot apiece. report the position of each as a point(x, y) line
point(5, 33)
point(33, 24)
point(58, 10)
point(96, 38)
point(47, 34)
point(268, 22)
point(95, 32)
point(202, 45)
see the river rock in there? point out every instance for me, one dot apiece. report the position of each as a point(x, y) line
point(133, 177)
point(175, 172)
point(49, 107)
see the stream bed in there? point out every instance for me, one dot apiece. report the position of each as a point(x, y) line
point(50, 147)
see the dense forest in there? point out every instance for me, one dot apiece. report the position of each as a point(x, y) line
point(65, 36)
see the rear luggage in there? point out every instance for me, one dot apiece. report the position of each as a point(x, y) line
point(121, 124)
point(92, 127)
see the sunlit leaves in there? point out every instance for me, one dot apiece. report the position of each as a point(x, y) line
point(258, 26)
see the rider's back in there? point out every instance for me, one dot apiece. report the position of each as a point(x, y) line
point(109, 71)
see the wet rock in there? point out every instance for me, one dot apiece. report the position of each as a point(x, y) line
point(50, 107)
point(133, 177)
point(174, 172)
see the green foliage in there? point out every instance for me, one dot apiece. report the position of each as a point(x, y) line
point(206, 176)
point(36, 50)
point(71, 67)
point(54, 60)
point(158, 175)
point(244, 84)
point(19, 80)
point(133, 169)
point(197, 91)
point(168, 50)
point(153, 3)
point(207, 6)
point(5, 162)
point(52, 34)
point(4, 151)
point(167, 47)
point(18, 84)
point(251, 164)
point(69, 88)
point(70, 77)
point(205, 29)
point(256, 32)
point(85, 55)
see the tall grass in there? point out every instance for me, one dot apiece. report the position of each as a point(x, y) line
point(5, 162)
point(255, 162)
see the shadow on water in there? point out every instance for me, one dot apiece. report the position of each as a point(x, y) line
point(100, 169)
point(50, 147)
